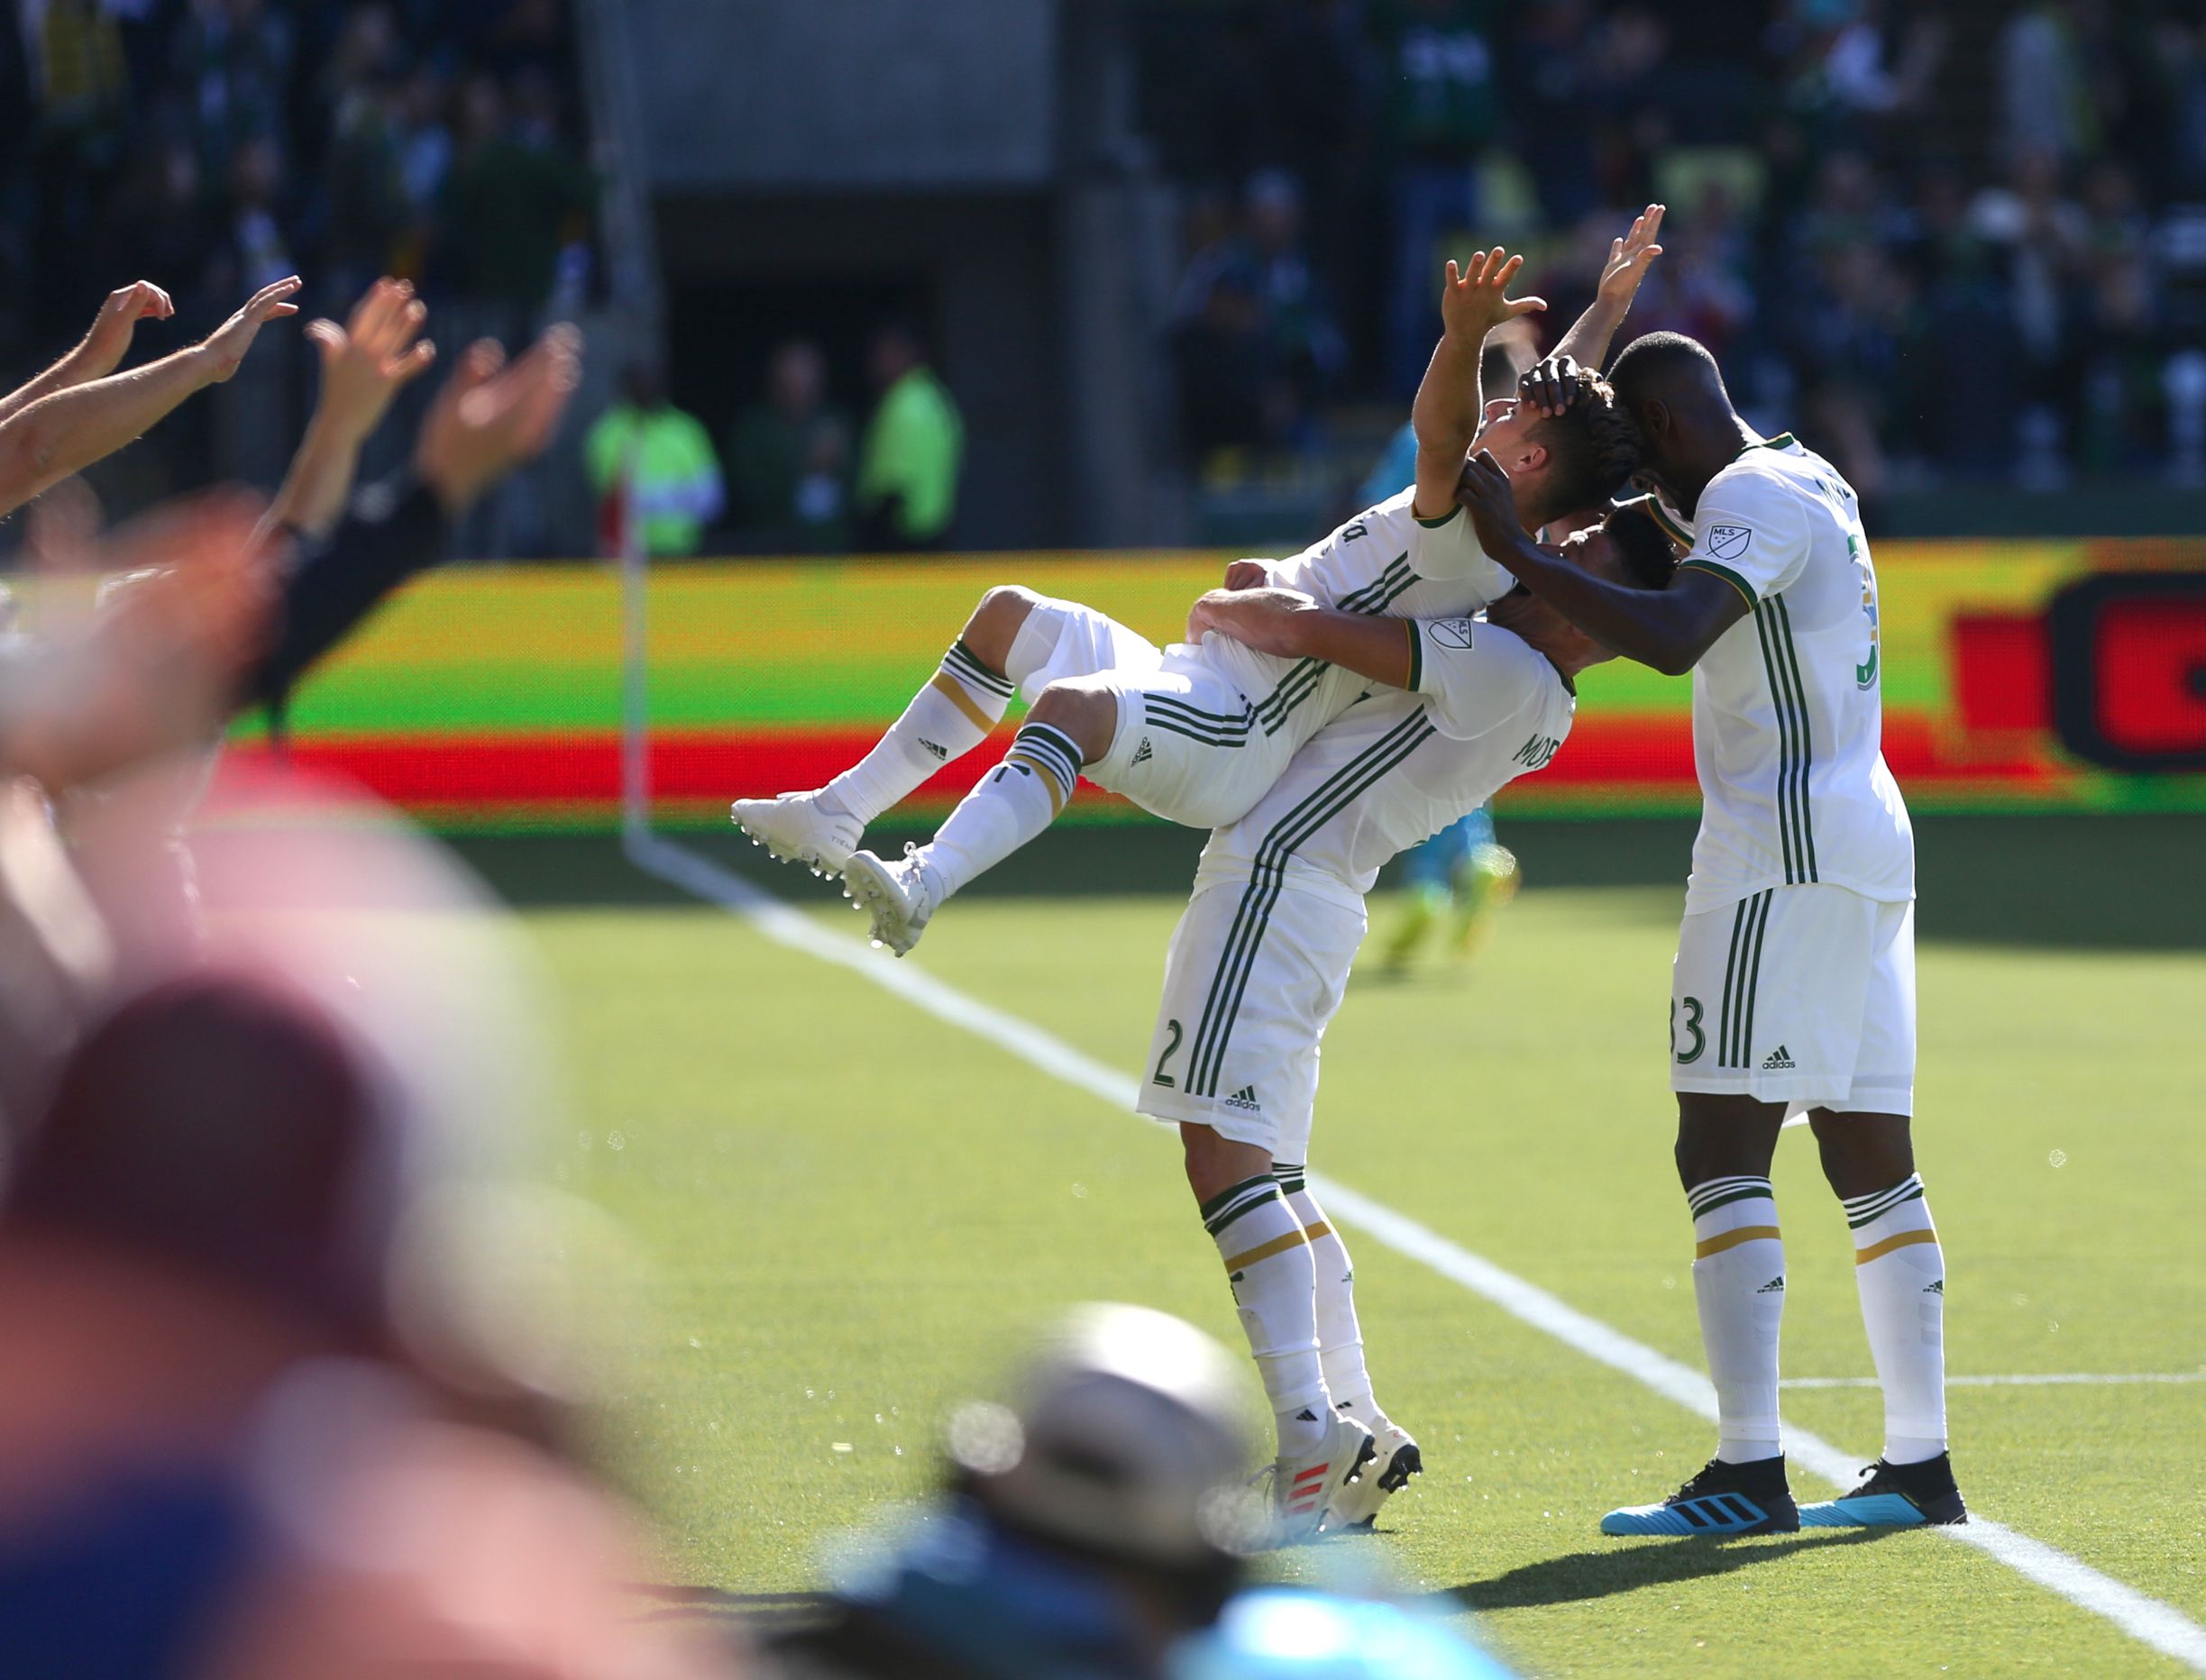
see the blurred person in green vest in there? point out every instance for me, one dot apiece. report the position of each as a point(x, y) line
point(677, 484)
point(908, 461)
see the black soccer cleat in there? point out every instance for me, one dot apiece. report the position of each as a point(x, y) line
point(1894, 1496)
point(1723, 1500)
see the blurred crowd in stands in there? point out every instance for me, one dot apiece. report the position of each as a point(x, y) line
point(215, 145)
point(1962, 242)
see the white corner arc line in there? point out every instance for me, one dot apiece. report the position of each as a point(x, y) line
point(2144, 1619)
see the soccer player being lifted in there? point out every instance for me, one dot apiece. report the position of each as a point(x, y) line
point(1196, 733)
point(1260, 962)
point(1794, 986)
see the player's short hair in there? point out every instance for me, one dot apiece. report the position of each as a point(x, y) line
point(1592, 447)
point(1649, 561)
point(1654, 359)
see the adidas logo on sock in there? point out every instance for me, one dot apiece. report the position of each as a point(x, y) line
point(1306, 1416)
point(1775, 1286)
point(1935, 1287)
point(1245, 1097)
point(1142, 754)
point(1780, 1057)
point(941, 753)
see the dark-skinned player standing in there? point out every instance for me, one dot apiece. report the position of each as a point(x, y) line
point(1794, 987)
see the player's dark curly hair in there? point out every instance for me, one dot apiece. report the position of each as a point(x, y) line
point(1594, 446)
point(1648, 559)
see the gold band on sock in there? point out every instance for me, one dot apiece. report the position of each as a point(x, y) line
point(1264, 1251)
point(1732, 1239)
point(963, 701)
point(1315, 1231)
point(1048, 777)
point(1875, 1251)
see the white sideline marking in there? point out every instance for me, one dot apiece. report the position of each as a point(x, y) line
point(2161, 1626)
point(2028, 1379)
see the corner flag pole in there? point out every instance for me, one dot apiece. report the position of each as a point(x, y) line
point(635, 659)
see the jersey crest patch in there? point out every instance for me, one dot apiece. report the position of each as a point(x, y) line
point(1728, 542)
point(1452, 632)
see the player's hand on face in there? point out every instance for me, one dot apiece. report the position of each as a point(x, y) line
point(366, 362)
point(108, 341)
point(1630, 257)
point(1247, 574)
point(1488, 497)
point(225, 347)
point(1551, 385)
point(1474, 299)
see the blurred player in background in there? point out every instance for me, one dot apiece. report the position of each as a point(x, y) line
point(1794, 986)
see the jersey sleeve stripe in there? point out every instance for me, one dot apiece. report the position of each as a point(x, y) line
point(1700, 562)
point(1435, 525)
point(1416, 654)
point(1660, 516)
point(1807, 735)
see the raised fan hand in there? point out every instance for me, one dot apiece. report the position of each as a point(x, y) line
point(225, 347)
point(368, 361)
point(108, 341)
point(491, 417)
point(1631, 257)
point(1474, 300)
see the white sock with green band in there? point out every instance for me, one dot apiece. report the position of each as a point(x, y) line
point(1900, 1273)
point(1739, 1281)
point(947, 719)
point(1010, 806)
point(1268, 1261)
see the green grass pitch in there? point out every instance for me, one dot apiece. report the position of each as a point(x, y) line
point(849, 1212)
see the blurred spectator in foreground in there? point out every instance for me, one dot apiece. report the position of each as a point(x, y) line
point(1098, 1528)
point(650, 461)
point(276, 1426)
point(910, 456)
point(789, 460)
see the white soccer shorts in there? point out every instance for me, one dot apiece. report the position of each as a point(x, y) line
point(1251, 980)
point(1802, 995)
point(1203, 732)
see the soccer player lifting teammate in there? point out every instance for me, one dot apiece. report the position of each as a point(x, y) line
point(1260, 962)
point(1794, 986)
point(1196, 733)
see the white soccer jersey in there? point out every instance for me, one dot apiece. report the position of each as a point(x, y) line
point(1397, 768)
point(1386, 560)
point(1787, 718)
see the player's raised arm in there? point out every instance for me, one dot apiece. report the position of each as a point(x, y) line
point(101, 349)
point(1473, 302)
point(1668, 629)
point(1549, 386)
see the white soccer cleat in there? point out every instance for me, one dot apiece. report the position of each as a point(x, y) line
point(900, 897)
point(794, 829)
point(1305, 1488)
point(1397, 1459)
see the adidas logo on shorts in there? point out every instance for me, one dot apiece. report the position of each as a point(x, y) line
point(942, 753)
point(1142, 754)
point(1245, 1097)
point(1780, 1058)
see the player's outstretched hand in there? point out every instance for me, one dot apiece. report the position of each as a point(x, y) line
point(490, 418)
point(225, 349)
point(1485, 493)
point(1631, 257)
point(1551, 385)
point(1474, 301)
point(108, 341)
point(369, 358)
